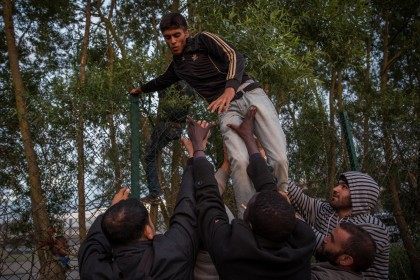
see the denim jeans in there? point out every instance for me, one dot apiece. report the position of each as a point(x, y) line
point(270, 134)
point(162, 134)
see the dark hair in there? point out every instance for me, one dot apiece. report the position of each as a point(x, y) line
point(271, 216)
point(124, 222)
point(172, 21)
point(360, 246)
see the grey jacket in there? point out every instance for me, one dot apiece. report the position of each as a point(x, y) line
point(327, 271)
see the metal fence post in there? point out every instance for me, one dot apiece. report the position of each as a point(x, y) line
point(135, 145)
point(345, 125)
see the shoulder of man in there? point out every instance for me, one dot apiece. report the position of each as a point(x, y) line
point(375, 227)
point(326, 270)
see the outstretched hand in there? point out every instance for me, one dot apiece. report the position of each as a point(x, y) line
point(122, 194)
point(135, 91)
point(246, 129)
point(198, 133)
point(186, 142)
point(222, 103)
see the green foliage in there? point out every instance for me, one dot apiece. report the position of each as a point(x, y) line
point(399, 268)
point(292, 48)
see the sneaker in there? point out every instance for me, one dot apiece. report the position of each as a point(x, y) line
point(151, 199)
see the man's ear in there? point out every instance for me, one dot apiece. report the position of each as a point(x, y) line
point(345, 260)
point(148, 232)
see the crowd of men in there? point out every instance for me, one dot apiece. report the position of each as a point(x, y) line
point(280, 228)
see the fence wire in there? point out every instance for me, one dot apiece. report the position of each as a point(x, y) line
point(106, 167)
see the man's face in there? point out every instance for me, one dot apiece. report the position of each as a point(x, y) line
point(340, 196)
point(176, 39)
point(61, 247)
point(333, 244)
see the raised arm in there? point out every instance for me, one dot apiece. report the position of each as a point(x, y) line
point(305, 205)
point(95, 251)
point(212, 218)
point(222, 174)
point(183, 223)
point(168, 78)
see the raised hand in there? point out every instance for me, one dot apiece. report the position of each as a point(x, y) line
point(186, 142)
point(246, 130)
point(198, 133)
point(122, 194)
point(136, 91)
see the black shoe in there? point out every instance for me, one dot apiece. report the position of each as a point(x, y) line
point(151, 199)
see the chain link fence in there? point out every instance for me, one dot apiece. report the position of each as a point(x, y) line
point(92, 165)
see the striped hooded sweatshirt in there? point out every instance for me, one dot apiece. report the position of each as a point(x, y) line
point(364, 192)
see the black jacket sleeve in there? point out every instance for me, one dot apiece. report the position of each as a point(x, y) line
point(259, 173)
point(212, 218)
point(94, 252)
point(222, 51)
point(176, 249)
point(163, 81)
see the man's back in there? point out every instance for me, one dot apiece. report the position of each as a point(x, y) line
point(237, 252)
point(242, 255)
point(173, 252)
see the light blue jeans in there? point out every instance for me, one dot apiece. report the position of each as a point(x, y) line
point(270, 134)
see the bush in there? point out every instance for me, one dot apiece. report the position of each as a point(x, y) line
point(399, 265)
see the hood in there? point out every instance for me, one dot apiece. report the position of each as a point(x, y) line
point(364, 191)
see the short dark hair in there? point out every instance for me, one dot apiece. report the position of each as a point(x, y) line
point(271, 216)
point(124, 222)
point(360, 246)
point(172, 21)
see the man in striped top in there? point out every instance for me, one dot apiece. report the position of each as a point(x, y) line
point(217, 72)
point(351, 200)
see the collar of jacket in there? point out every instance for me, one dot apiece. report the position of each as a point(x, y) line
point(136, 243)
point(267, 244)
point(190, 46)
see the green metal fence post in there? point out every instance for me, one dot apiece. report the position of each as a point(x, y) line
point(135, 145)
point(345, 125)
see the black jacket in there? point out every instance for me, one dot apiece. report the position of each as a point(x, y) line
point(208, 64)
point(174, 252)
point(236, 251)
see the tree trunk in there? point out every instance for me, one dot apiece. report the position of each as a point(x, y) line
point(114, 157)
point(366, 110)
point(80, 124)
point(38, 205)
point(114, 152)
point(175, 6)
point(332, 147)
point(340, 105)
point(392, 178)
point(111, 29)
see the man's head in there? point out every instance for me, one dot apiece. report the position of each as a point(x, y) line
point(127, 221)
point(340, 196)
point(350, 247)
point(61, 246)
point(270, 215)
point(175, 31)
point(363, 190)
